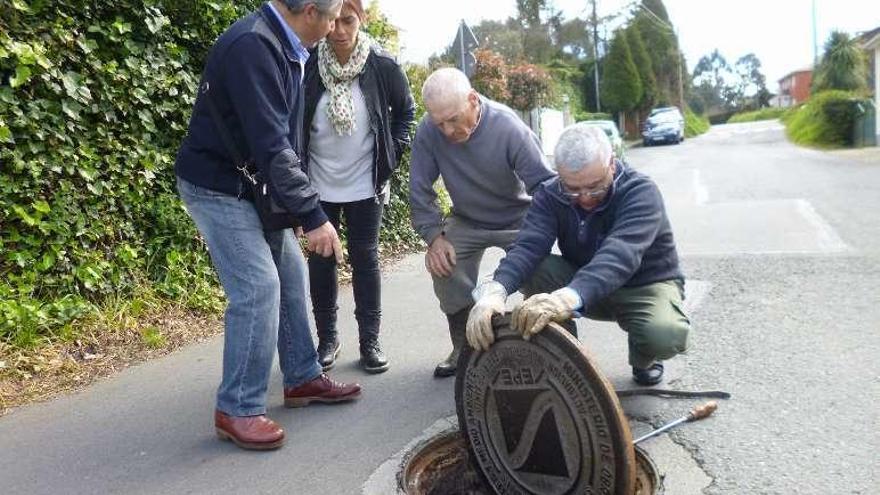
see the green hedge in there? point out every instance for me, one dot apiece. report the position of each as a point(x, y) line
point(580, 116)
point(769, 113)
point(95, 98)
point(825, 120)
point(694, 124)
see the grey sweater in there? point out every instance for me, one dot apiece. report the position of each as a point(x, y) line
point(489, 178)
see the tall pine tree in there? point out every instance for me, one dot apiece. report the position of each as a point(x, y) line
point(644, 66)
point(621, 86)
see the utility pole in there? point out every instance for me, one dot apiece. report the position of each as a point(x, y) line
point(595, 22)
point(815, 41)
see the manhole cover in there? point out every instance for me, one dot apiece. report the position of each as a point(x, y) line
point(539, 417)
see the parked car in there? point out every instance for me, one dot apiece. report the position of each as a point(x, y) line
point(665, 126)
point(665, 109)
point(613, 134)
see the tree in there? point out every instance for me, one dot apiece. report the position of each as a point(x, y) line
point(503, 38)
point(621, 86)
point(751, 84)
point(658, 34)
point(381, 29)
point(843, 65)
point(574, 39)
point(645, 67)
point(711, 83)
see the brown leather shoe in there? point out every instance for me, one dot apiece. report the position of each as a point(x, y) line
point(321, 389)
point(249, 432)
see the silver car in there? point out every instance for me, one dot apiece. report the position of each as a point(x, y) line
point(613, 134)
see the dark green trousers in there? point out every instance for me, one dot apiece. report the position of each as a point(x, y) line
point(652, 314)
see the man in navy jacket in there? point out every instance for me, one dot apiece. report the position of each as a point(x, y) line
point(253, 77)
point(618, 262)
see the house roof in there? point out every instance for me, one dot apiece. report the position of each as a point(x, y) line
point(870, 39)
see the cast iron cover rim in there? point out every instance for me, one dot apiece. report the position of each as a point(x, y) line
point(552, 338)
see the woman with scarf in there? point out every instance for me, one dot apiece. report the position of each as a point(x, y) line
point(358, 116)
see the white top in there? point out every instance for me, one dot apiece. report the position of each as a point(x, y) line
point(341, 167)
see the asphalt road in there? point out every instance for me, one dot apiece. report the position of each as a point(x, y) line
point(781, 245)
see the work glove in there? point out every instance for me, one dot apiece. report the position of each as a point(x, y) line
point(536, 312)
point(490, 298)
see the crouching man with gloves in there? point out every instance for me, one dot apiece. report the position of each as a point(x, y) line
point(618, 262)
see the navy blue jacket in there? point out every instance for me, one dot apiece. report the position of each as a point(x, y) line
point(255, 81)
point(625, 242)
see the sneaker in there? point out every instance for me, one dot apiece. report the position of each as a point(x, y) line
point(651, 375)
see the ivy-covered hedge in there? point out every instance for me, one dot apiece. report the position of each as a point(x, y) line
point(825, 120)
point(694, 124)
point(95, 98)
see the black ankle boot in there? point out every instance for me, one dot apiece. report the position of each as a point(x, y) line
point(328, 351)
point(457, 328)
point(372, 358)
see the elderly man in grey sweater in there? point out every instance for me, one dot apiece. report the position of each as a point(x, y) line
point(490, 162)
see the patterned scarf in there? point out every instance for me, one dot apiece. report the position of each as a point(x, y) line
point(337, 79)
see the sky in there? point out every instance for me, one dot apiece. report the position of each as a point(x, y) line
point(779, 32)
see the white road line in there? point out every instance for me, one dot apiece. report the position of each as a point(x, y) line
point(826, 234)
point(701, 192)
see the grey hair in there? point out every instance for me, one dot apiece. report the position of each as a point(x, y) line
point(324, 6)
point(581, 145)
point(446, 87)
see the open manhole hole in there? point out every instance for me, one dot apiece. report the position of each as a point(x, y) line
point(534, 418)
point(441, 466)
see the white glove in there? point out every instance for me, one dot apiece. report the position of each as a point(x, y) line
point(536, 312)
point(490, 298)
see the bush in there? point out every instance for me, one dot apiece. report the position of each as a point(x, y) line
point(769, 113)
point(592, 116)
point(95, 98)
point(529, 87)
point(825, 120)
point(694, 124)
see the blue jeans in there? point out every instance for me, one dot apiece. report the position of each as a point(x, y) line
point(264, 277)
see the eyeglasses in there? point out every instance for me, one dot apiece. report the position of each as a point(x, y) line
point(587, 192)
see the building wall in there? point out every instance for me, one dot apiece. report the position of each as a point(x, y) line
point(877, 92)
point(800, 90)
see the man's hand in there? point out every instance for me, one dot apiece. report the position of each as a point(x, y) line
point(490, 299)
point(440, 258)
point(536, 312)
point(324, 241)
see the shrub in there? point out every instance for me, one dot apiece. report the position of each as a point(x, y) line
point(694, 124)
point(769, 113)
point(592, 116)
point(529, 87)
point(490, 76)
point(825, 120)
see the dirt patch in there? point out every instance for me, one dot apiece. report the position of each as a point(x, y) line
point(28, 376)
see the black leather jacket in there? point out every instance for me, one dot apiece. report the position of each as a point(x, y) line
point(389, 103)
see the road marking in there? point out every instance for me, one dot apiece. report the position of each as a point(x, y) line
point(701, 192)
point(827, 236)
